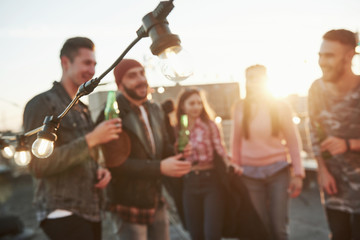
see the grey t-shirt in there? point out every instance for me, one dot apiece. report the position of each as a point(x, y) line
point(339, 117)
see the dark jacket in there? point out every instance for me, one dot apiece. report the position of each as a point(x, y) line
point(241, 220)
point(66, 179)
point(137, 181)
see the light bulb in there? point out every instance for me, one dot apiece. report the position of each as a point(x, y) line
point(176, 63)
point(296, 120)
point(22, 158)
point(218, 119)
point(8, 151)
point(42, 148)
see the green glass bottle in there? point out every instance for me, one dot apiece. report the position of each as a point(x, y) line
point(184, 133)
point(111, 110)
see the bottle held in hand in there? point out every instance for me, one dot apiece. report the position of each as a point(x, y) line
point(116, 151)
point(111, 110)
point(184, 134)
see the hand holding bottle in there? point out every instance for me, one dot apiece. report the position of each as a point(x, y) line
point(104, 132)
point(183, 137)
point(172, 167)
point(112, 109)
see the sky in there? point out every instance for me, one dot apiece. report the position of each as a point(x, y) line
point(222, 37)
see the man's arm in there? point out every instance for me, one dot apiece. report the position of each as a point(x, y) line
point(326, 180)
point(66, 155)
point(337, 145)
point(170, 166)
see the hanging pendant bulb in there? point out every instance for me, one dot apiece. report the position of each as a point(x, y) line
point(7, 150)
point(22, 158)
point(176, 64)
point(42, 147)
point(44, 144)
point(22, 155)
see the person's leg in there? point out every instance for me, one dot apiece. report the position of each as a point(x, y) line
point(159, 229)
point(279, 204)
point(193, 207)
point(213, 208)
point(70, 228)
point(257, 192)
point(355, 228)
point(339, 224)
point(129, 231)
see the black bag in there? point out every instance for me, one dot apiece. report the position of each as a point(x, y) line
point(241, 219)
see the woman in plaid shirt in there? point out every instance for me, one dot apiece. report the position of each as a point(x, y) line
point(203, 200)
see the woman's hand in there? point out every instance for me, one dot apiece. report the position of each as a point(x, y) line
point(237, 169)
point(295, 186)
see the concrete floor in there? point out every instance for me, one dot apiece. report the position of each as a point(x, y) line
point(307, 219)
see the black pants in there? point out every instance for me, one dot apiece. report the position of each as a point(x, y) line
point(343, 225)
point(71, 228)
point(203, 205)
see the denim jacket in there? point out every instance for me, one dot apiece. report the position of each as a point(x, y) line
point(66, 179)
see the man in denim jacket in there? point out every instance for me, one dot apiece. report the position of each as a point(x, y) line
point(69, 182)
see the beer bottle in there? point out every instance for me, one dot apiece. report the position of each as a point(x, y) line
point(184, 133)
point(111, 110)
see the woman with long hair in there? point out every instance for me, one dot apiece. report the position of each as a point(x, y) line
point(203, 197)
point(266, 144)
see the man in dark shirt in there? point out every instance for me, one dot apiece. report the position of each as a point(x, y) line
point(69, 182)
point(136, 186)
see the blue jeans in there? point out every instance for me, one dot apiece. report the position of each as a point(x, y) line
point(271, 201)
point(158, 230)
point(203, 205)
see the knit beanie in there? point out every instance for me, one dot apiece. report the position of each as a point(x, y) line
point(123, 67)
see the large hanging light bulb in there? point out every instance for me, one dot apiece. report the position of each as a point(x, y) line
point(175, 62)
point(42, 147)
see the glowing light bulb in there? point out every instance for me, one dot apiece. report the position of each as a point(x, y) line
point(218, 119)
point(161, 90)
point(8, 151)
point(42, 148)
point(22, 158)
point(296, 120)
point(176, 64)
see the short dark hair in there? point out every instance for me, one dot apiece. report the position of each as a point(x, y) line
point(72, 46)
point(342, 36)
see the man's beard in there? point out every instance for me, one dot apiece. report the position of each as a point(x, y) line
point(336, 73)
point(131, 92)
